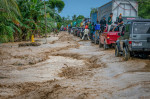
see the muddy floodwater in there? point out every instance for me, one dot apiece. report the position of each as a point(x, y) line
point(69, 68)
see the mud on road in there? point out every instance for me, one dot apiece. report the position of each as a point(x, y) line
point(69, 68)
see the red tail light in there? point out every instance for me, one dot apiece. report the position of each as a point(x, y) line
point(130, 42)
point(108, 37)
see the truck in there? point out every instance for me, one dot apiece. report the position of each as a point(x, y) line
point(127, 8)
point(94, 18)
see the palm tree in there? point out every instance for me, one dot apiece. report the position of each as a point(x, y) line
point(74, 17)
point(9, 12)
point(10, 7)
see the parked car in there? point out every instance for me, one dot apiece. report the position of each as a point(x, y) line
point(78, 31)
point(135, 40)
point(108, 39)
point(72, 30)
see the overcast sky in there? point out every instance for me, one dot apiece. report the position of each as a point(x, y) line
point(81, 7)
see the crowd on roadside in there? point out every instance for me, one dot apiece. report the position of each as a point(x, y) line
point(103, 26)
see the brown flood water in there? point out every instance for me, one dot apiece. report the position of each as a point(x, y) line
point(69, 68)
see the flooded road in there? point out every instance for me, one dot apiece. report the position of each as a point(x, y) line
point(69, 68)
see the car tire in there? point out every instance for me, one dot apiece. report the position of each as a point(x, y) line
point(105, 45)
point(126, 54)
point(144, 56)
point(117, 54)
point(80, 35)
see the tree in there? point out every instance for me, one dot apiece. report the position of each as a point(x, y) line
point(80, 17)
point(59, 4)
point(93, 10)
point(8, 19)
point(144, 8)
point(74, 17)
point(33, 21)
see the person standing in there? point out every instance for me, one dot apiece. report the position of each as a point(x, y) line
point(103, 24)
point(86, 32)
point(90, 29)
point(110, 21)
point(86, 26)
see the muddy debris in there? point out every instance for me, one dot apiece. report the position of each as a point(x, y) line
point(71, 72)
point(87, 72)
point(70, 55)
point(65, 38)
point(93, 63)
point(28, 44)
point(23, 89)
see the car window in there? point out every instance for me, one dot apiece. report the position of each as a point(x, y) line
point(141, 28)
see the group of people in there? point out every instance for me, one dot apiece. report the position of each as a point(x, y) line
point(116, 26)
point(90, 28)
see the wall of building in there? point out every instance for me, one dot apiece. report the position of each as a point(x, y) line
point(117, 7)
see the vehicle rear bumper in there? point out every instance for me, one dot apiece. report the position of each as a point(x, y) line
point(111, 41)
point(141, 49)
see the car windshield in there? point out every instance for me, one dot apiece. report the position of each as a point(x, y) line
point(141, 28)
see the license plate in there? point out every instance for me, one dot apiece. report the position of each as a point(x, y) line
point(137, 44)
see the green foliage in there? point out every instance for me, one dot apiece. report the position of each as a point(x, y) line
point(59, 4)
point(93, 10)
point(19, 19)
point(80, 17)
point(8, 19)
point(74, 17)
point(59, 25)
point(144, 8)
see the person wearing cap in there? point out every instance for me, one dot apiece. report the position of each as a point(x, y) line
point(120, 23)
point(86, 32)
point(86, 26)
point(103, 24)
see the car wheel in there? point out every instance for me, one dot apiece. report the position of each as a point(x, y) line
point(105, 45)
point(144, 56)
point(100, 44)
point(117, 54)
point(80, 35)
point(126, 54)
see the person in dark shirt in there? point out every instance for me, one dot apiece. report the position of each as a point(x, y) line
point(103, 24)
point(92, 31)
point(120, 23)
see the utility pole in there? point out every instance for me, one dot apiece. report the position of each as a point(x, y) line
point(45, 22)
